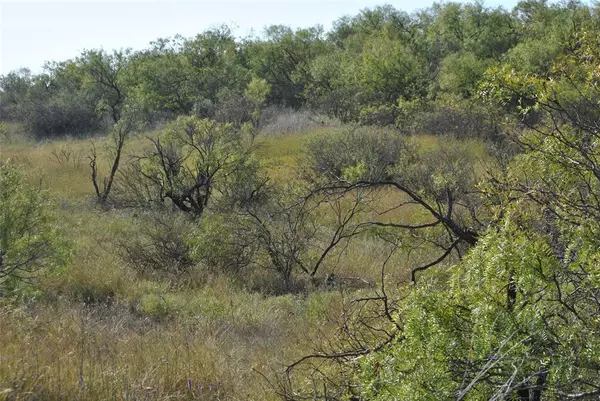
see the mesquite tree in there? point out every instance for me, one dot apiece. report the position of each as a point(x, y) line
point(129, 122)
point(192, 161)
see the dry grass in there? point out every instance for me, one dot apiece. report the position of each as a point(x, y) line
point(277, 120)
point(168, 345)
point(111, 353)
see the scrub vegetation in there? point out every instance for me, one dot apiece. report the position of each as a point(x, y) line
point(405, 207)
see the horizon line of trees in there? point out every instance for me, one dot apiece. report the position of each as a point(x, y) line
point(383, 66)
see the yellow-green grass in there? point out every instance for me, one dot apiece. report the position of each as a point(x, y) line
point(76, 352)
point(63, 165)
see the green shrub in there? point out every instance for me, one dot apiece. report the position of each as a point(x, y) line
point(384, 115)
point(217, 245)
point(460, 118)
point(30, 243)
point(60, 115)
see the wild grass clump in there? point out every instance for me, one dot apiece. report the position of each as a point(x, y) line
point(277, 120)
point(211, 347)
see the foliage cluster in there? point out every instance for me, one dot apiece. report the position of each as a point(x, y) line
point(368, 68)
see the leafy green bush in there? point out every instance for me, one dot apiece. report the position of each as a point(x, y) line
point(59, 115)
point(30, 242)
point(518, 317)
point(460, 118)
point(379, 115)
point(222, 245)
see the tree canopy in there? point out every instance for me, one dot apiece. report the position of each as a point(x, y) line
point(365, 69)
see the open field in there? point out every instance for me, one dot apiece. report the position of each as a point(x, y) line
point(96, 330)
